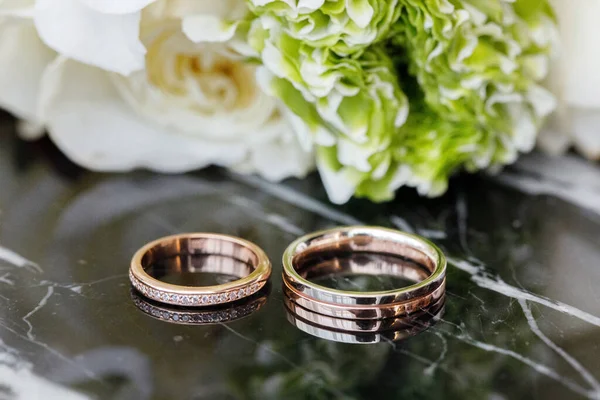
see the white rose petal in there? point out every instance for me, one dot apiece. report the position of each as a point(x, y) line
point(24, 59)
point(30, 130)
point(586, 132)
point(208, 28)
point(574, 78)
point(91, 124)
point(109, 41)
point(278, 158)
point(231, 10)
point(117, 6)
point(580, 58)
point(17, 8)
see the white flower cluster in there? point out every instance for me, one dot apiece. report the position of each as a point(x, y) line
point(155, 84)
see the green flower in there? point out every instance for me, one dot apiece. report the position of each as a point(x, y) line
point(470, 70)
point(477, 63)
point(349, 108)
point(343, 26)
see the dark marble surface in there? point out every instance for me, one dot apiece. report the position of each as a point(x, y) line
point(522, 318)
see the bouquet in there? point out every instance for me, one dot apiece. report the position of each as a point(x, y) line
point(377, 94)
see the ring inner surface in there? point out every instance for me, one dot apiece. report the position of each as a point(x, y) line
point(199, 261)
point(363, 263)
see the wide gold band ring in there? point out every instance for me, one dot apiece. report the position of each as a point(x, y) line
point(199, 252)
point(428, 270)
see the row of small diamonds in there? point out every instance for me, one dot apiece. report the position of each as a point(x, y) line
point(193, 300)
point(209, 317)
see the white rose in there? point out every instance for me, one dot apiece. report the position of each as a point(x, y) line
point(576, 81)
point(190, 105)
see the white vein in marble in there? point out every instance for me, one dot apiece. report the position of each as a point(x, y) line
point(545, 370)
point(17, 375)
point(16, 260)
point(6, 279)
point(585, 374)
point(485, 280)
point(38, 307)
point(430, 370)
point(126, 362)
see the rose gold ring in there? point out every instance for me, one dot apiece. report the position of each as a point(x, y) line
point(199, 252)
point(424, 264)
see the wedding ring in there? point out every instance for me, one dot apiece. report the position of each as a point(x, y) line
point(187, 316)
point(427, 269)
point(199, 252)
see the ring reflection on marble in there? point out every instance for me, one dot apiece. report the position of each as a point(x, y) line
point(358, 325)
point(428, 270)
point(348, 331)
point(189, 316)
point(222, 254)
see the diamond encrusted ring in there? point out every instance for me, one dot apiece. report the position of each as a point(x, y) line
point(199, 252)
